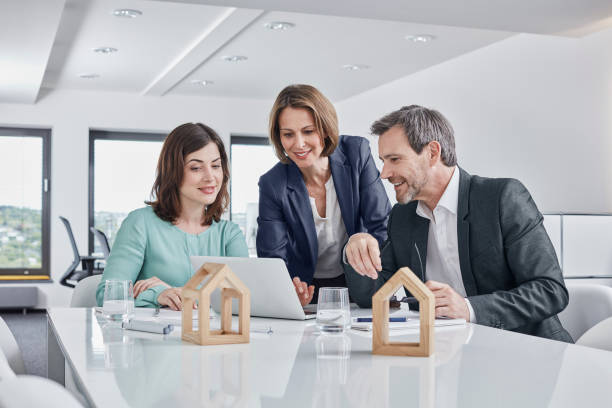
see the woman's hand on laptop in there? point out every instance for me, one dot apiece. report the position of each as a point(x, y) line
point(145, 284)
point(173, 298)
point(304, 292)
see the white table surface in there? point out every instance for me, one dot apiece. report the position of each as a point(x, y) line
point(296, 366)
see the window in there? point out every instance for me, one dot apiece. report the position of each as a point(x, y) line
point(24, 204)
point(251, 157)
point(121, 173)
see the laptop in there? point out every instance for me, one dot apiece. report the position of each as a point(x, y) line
point(272, 291)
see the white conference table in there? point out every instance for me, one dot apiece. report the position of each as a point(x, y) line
point(296, 366)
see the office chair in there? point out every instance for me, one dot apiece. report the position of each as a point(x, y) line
point(6, 373)
point(32, 391)
point(588, 305)
point(16, 387)
point(101, 237)
point(598, 336)
point(10, 349)
point(84, 294)
point(87, 261)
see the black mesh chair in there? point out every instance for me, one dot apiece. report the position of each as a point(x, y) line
point(87, 262)
point(102, 240)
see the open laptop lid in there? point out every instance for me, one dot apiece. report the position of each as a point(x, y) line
point(272, 292)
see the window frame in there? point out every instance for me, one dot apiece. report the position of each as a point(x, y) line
point(44, 270)
point(95, 134)
point(249, 140)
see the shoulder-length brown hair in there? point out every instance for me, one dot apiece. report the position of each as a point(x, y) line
point(323, 112)
point(183, 140)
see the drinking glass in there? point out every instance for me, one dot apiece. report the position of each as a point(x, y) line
point(118, 300)
point(333, 310)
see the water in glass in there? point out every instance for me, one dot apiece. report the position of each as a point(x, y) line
point(118, 300)
point(333, 310)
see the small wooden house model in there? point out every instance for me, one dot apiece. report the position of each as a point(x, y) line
point(380, 316)
point(220, 277)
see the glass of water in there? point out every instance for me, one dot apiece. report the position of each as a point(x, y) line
point(333, 310)
point(118, 300)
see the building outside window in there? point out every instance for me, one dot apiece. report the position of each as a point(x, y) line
point(24, 203)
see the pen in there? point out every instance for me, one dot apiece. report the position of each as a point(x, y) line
point(147, 326)
point(369, 319)
point(264, 330)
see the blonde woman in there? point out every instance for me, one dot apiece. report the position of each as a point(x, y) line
point(324, 189)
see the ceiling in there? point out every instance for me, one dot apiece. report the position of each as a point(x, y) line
point(47, 44)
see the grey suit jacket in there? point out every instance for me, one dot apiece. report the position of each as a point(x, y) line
point(508, 264)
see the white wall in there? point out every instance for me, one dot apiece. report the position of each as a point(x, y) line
point(537, 108)
point(70, 115)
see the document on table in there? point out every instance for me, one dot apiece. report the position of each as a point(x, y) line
point(410, 323)
point(175, 318)
point(165, 315)
point(171, 316)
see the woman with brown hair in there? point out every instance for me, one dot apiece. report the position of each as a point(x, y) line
point(325, 189)
point(190, 193)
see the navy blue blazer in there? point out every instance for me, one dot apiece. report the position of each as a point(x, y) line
point(286, 227)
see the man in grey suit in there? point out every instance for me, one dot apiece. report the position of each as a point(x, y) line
point(478, 243)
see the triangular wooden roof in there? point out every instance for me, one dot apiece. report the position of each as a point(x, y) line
point(220, 273)
point(403, 277)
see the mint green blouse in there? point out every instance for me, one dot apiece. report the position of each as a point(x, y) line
point(146, 246)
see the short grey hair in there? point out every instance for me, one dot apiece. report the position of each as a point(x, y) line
point(421, 126)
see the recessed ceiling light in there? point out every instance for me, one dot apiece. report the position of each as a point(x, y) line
point(279, 25)
point(202, 82)
point(234, 58)
point(105, 50)
point(420, 38)
point(89, 75)
point(127, 13)
point(355, 67)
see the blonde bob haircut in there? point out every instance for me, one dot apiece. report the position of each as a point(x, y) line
point(323, 112)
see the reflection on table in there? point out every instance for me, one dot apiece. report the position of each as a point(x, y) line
point(297, 366)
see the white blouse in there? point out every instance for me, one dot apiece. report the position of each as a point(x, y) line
point(331, 234)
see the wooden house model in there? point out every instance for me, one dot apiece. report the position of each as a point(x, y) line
point(212, 276)
point(380, 316)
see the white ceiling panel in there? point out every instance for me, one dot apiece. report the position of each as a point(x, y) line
point(318, 47)
point(146, 44)
point(230, 24)
point(174, 42)
point(553, 17)
point(27, 33)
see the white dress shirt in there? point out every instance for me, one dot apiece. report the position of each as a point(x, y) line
point(442, 244)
